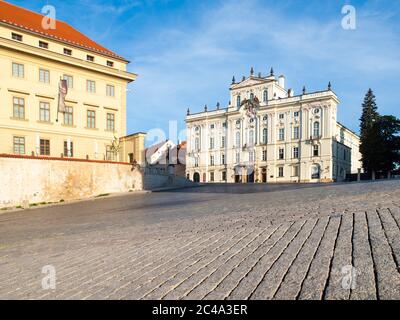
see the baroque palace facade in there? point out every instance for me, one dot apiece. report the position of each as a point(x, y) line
point(269, 135)
point(35, 55)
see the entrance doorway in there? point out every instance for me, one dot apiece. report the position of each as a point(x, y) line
point(250, 177)
point(264, 176)
point(196, 177)
point(238, 178)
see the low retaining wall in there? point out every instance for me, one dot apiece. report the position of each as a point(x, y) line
point(26, 179)
point(159, 181)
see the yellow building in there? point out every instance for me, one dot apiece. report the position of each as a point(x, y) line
point(34, 57)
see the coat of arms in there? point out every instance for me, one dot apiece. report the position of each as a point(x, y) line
point(251, 106)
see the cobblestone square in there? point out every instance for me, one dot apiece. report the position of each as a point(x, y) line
point(334, 241)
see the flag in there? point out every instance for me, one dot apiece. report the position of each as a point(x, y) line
point(62, 93)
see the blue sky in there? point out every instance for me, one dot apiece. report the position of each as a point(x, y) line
point(186, 52)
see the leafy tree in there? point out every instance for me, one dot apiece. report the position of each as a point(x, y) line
point(387, 129)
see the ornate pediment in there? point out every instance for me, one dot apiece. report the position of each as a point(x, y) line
point(249, 82)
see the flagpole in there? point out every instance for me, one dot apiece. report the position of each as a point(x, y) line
point(58, 104)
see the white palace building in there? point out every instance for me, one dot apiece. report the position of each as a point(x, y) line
point(269, 135)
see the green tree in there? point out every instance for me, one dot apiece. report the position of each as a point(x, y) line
point(369, 113)
point(369, 137)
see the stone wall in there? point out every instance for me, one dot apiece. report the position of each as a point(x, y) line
point(36, 180)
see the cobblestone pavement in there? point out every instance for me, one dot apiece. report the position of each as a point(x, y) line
point(212, 242)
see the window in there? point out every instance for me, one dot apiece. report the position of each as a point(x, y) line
point(281, 134)
point(223, 159)
point(223, 175)
point(68, 153)
point(251, 156)
point(91, 86)
point(44, 76)
point(68, 52)
point(281, 154)
point(224, 125)
point(91, 119)
point(281, 116)
point(44, 111)
point(110, 64)
point(196, 162)
point(251, 96)
point(251, 137)
point(212, 126)
point(110, 153)
point(296, 114)
point(211, 143)
point(316, 129)
point(237, 157)
point(110, 89)
point(295, 171)
point(222, 142)
point(18, 70)
point(70, 81)
point(237, 139)
point(265, 135)
point(110, 122)
point(296, 133)
point(43, 45)
point(280, 172)
point(19, 108)
point(212, 162)
point(44, 147)
point(197, 144)
point(265, 96)
point(264, 155)
point(19, 145)
point(16, 36)
point(69, 116)
point(212, 175)
point(238, 101)
point(90, 58)
point(316, 150)
point(295, 152)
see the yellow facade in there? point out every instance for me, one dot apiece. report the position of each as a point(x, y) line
point(132, 148)
point(29, 99)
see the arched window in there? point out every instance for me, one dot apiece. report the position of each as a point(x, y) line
point(251, 137)
point(315, 172)
point(238, 139)
point(197, 144)
point(238, 101)
point(265, 96)
point(316, 129)
point(251, 96)
point(265, 135)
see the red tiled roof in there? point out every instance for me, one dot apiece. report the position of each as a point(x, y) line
point(31, 21)
point(183, 144)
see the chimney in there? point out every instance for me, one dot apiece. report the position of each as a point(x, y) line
point(281, 81)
